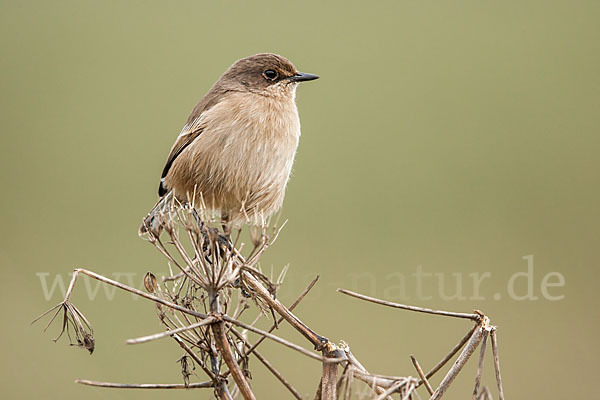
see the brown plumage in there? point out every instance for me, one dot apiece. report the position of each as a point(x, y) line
point(235, 153)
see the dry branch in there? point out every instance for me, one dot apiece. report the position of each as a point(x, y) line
point(268, 365)
point(225, 350)
point(480, 365)
point(253, 283)
point(497, 363)
point(451, 354)
point(464, 356)
point(281, 319)
point(329, 375)
point(474, 317)
point(273, 337)
point(421, 374)
point(199, 385)
point(160, 335)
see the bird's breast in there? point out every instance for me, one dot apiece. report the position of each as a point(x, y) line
point(246, 149)
point(262, 136)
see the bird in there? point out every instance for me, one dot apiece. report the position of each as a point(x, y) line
point(234, 156)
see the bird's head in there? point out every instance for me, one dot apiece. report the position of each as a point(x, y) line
point(267, 74)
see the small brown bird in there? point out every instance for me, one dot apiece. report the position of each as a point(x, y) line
point(234, 155)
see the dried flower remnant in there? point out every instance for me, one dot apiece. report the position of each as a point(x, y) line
point(212, 288)
point(72, 321)
point(150, 282)
point(187, 368)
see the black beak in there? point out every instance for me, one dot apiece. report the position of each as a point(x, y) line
point(301, 77)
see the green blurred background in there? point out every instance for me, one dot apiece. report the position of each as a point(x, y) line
point(456, 136)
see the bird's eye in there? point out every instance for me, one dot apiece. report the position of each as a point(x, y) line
point(270, 74)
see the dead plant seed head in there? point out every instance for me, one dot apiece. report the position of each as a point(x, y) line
point(150, 282)
point(210, 290)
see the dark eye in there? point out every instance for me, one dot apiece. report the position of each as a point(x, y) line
point(270, 74)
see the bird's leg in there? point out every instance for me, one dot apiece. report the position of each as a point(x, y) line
point(204, 232)
point(223, 241)
point(199, 222)
point(237, 283)
point(226, 226)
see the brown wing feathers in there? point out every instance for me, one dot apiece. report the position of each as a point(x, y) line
point(193, 131)
point(178, 147)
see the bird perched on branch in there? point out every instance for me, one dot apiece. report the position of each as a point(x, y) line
point(234, 155)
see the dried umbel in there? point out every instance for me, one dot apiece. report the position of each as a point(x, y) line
point(203, 303)
point(74, 323)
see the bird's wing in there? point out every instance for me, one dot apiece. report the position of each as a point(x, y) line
point(183, 141)
point(192, 129)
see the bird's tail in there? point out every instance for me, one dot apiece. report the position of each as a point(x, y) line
point(153, 222)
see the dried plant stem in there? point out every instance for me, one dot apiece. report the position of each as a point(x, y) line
point(269, 366)
point(129, 289)
point(319, 388)
point(392, 389)
point(421, 374)
point(253, 283)
point(281, 319)
point(191, 335)
point(340, 385)
point(497, 363)
point(485, 394)
point(145, 385)
point(459, 363)
point(329, 377)
point(221, 389)
point(227, 354)
point(474, 317)
point(409, 391)
point(273, 337)
point(480, 365)
point(176, 276)
point(374, 381)
point(278, 375)
point(185, 270)
point(166, 320)
point(224, 349)
point(361, 373)
point(216, 340)
point(451, 354)
point(160, 335)
point(195, 357)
